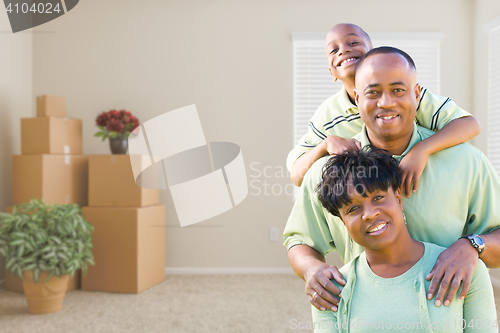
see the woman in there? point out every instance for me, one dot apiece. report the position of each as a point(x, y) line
point(386, 284)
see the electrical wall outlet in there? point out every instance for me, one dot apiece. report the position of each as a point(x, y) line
point(273, 234)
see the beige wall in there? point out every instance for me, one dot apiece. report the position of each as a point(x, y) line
point(15, 102)
point(486, 11)
point(234, 61)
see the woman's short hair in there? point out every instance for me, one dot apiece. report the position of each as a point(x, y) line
point(367, 170)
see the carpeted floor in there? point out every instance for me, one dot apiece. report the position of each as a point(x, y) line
point(183, 303)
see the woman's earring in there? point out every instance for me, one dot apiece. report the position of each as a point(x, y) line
point(404, 216)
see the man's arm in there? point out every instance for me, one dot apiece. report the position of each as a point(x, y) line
point(455, 132)
point(457, 263)
point(310, 266)
point(491, 254)
point(310, 233)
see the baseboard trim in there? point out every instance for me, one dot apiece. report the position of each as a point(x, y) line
point(215, 271)
point(495, 282)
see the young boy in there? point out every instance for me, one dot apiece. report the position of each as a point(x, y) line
point(337, 119)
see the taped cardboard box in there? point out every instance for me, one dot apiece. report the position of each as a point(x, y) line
point(50, 106)
point(14, 283)
point(112, 183)
point(59, 179)
point(51, 135)
point(128, 247)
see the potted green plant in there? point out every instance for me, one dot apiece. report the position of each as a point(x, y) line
point(43, 245)
point(117, 126)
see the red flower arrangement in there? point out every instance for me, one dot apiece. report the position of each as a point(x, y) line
point(115, 124)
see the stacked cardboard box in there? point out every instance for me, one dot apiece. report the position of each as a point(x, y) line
point(50, 166)
point(129, 235)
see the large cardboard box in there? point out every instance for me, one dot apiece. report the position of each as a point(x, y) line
point(51, 135)
point(14, 283)
point(128, 248)
point(50, 106)
point(59, 179)
point(112, 183)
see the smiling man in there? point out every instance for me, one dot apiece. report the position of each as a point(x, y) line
point(387, 94)
point(458, 195)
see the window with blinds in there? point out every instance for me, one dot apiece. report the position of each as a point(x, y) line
point(313, 83)
point(494, 96)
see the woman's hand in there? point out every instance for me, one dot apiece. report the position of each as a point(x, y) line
point(412, 166)
point(319, 288)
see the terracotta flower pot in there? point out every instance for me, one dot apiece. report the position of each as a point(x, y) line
point(44, 298)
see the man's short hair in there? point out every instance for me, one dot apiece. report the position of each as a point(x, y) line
point(368, 170)
point(386, 50)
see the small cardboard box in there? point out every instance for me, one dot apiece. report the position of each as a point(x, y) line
point(128, 247)
point(51, 135)
point(112, 183)
point(14, 283)
point(50, 106)
point(59, 179)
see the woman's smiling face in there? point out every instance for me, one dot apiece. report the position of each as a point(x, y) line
point(373, 219)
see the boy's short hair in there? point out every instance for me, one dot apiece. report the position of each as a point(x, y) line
point(386, 50)
point(367, 170)
point(365, 34)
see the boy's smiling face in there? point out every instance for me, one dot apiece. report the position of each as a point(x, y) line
point(345, 44)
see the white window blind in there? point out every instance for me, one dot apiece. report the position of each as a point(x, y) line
point(494, 97)
point(313, 83)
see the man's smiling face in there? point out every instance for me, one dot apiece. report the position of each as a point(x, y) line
point(344, 45)
point(387, 94)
